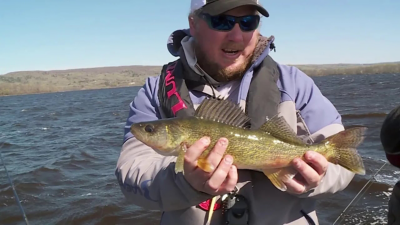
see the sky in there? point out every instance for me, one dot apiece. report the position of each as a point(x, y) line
point(48, 35)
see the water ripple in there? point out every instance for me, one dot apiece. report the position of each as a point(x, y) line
point(61, 150)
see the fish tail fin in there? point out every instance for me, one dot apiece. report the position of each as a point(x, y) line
point(343, 148)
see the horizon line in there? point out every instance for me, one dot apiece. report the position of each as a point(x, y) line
point(159, 65)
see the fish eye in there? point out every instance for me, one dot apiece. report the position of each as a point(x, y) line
point(149, 128)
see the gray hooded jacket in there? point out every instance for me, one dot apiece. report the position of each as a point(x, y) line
point(148, 179)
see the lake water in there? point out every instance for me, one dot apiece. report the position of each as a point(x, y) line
point(61, 150)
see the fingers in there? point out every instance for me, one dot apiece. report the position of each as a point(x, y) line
point(295, 186)
point(221, 175)
point(216, 154)
point(221, 178)
point(310, 174)
point(317, 161)
point(193, 153)
point(231, 181)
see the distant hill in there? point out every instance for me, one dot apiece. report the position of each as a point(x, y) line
point(349, 69)
point(30, 82)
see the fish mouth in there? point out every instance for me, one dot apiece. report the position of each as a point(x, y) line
point(166, 151)
point(159, 148)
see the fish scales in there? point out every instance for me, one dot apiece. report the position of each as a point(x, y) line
point(251, 149)
point(269, 149)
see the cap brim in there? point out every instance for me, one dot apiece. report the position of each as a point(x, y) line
point(219, 7)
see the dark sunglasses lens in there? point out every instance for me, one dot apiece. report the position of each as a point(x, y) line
point(221, 22)
point(226, 22)
point(249, 23)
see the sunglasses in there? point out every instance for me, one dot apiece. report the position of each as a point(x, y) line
point(227, 22)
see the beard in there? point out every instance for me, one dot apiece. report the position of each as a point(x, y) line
point(217, 72)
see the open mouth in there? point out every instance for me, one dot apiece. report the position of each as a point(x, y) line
point(231, 52)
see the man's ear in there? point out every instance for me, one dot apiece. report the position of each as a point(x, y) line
point(192, 25)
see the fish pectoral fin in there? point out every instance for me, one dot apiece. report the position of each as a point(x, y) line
point(180, 160)
point(205, 165)
point(278, 176)
point(202, 163)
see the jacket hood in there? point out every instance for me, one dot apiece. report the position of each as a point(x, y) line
point(265, 44)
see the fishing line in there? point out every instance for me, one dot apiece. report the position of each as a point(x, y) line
point(369, 184)
point(13, 188)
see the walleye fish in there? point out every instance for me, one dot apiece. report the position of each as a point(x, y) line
point(269, 149)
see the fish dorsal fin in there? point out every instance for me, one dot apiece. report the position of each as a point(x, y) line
point(279, 128)
point(222, 111)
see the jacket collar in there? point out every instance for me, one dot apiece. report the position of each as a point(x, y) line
point(180, 43)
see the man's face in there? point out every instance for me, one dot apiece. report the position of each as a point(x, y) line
point(224, 55)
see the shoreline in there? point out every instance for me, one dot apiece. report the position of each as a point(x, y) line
point(63, 91)
point(54, 81)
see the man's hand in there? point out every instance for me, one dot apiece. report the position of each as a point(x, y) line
point(311, 171)
point(218, 182)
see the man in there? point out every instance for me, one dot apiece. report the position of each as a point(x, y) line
point(390, 138)
point(224, 55)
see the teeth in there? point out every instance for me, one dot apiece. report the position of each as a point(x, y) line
point(230, 50)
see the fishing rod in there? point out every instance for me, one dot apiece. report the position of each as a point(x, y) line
point(13, 188)
point(369, 184)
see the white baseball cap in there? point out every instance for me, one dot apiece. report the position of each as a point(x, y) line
point(216, 7)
